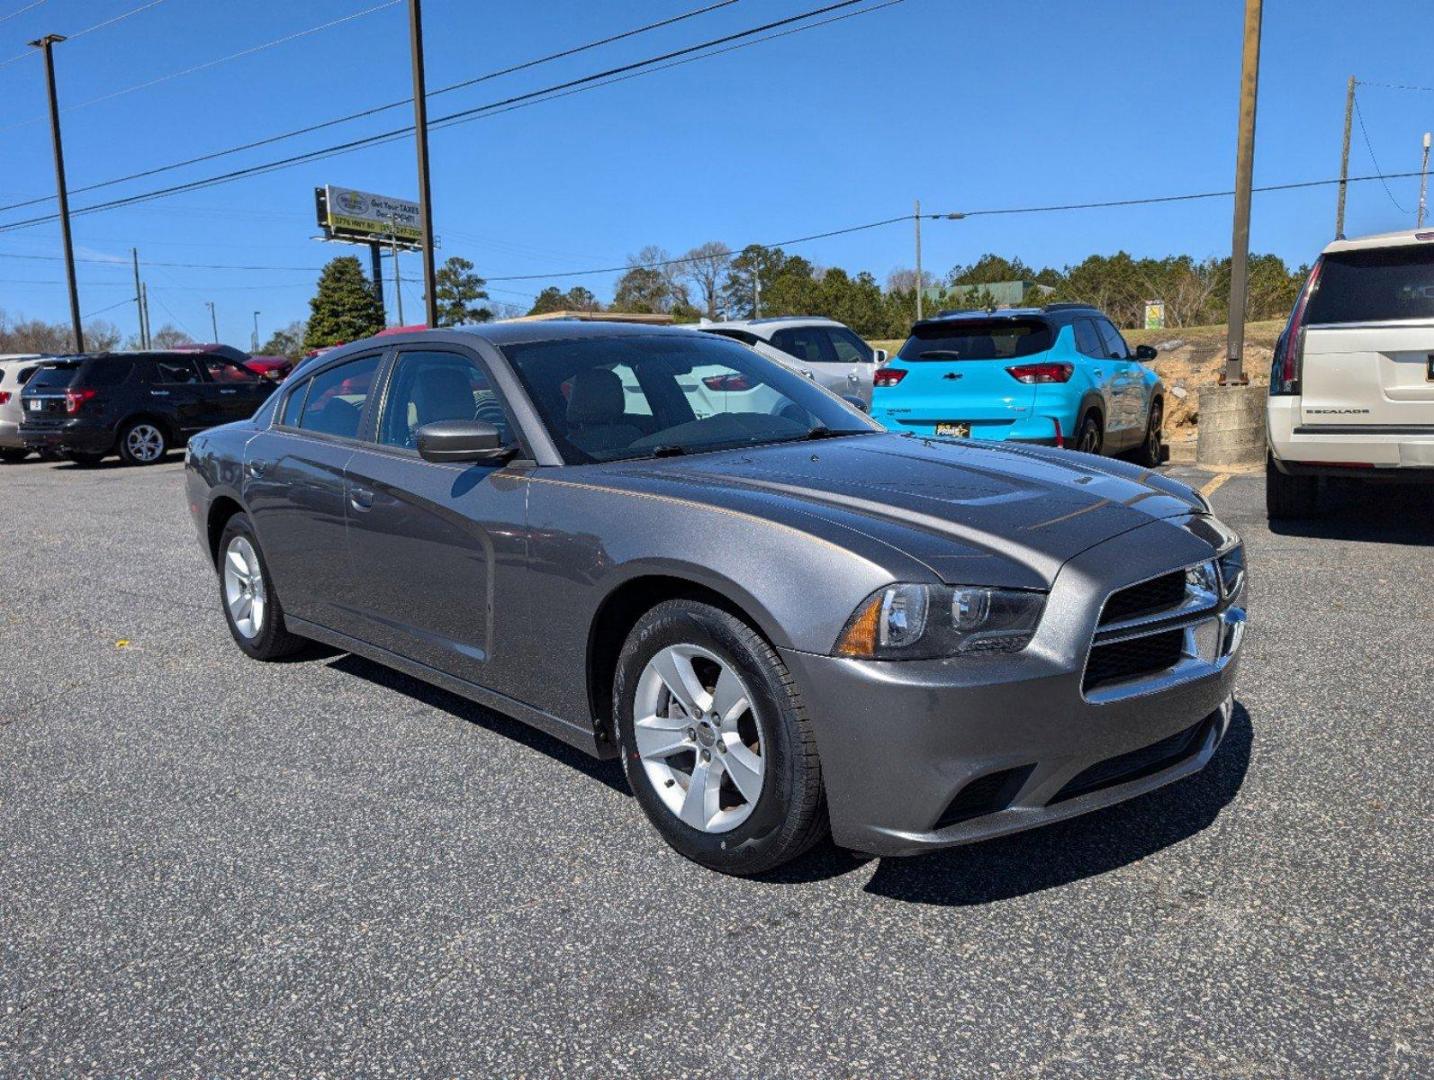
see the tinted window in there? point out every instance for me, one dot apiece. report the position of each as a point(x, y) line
point(610, 397)
point(25, 374)
point(1381, 283)
point(432, 386)
point(336, 398)
point(1088, 341)
point(807, 343)
point(977, 339)
point(53, 377)
point(1115, 347)
point(293, 404)
point(849, 348)
point(228, 371)
point(176, 369)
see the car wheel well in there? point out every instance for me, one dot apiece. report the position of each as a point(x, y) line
point(615, 619)
point(220, 511)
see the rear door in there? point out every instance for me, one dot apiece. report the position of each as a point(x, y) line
point(1099, 367)
point(1127, 383)
point(1368, 358)
point(858, 359)
point(812, 349)
point(42, 401)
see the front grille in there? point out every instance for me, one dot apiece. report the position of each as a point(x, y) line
point(1148, 598)
point(1147, 761)
point(984, 795)
point(1133, 658)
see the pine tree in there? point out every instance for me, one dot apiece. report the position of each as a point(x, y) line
point(344, 307)
point(457, 287)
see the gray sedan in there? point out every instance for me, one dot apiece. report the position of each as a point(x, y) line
point(656, 545)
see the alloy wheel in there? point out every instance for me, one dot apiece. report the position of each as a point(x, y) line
point(145, 443)
point(244, 591)
point(698, 738)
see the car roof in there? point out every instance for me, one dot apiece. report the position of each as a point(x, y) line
point(1401, 238)
point(1058, 313)
point(771, 322)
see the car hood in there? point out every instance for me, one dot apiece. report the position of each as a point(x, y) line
point(989, 514)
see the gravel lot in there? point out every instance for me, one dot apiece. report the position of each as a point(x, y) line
point(210, 866)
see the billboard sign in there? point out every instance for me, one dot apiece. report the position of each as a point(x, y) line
point(347, 214)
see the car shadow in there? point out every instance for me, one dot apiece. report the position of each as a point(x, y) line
point(607, 772)
point(1369, 513)
point(1055, 854)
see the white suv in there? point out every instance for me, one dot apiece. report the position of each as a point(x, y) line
point(15, 372)
point(829, 351)
point(1352, 383)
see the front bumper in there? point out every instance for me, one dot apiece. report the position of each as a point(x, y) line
point(918, 755)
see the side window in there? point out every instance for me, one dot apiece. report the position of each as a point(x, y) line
point(25, 373)
point(432, 386)
point(228, 371)
point(176, 369)
point(849, 348)
point(1115, 346)
point(807, 343)
point(1088, 340)
point(293, 405)
point(334, 405)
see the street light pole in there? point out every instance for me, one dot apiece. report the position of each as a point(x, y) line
point(1423, 183)
point(254, 342)
point(213, 320)
point(420, 132)
point(397, 277)
point(1244, 177)
point(46, 45)
point(919, 282)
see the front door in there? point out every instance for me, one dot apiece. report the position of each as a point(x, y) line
point(436, 550)
point(240, 391)
point(179, 390)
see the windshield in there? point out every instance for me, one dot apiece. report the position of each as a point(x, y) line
point(977, 339)
point(648, 395)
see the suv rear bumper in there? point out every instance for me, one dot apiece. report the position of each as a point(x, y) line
point(10, 435)
point(1404, 452)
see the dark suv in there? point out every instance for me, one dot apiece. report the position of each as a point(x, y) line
point(138, 405)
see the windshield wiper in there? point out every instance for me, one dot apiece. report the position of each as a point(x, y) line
point(671, 450)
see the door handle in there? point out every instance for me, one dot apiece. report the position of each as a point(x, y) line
point(361, 498)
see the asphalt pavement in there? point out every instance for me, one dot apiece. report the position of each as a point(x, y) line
point(214, 867)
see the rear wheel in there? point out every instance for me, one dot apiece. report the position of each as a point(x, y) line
point(1152, 450)
point(251, 607)
point(1089, 437)
point(715, 740)
point(142, 442)
point(12, 455)
point(1290, 496)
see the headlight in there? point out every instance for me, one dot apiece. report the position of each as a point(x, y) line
point(917, 622)
point(1232, 571)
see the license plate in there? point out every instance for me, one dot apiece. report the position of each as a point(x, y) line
point(36, 405)
point(959, 430)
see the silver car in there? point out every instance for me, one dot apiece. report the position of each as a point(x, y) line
point(15, 372)
point(783, 621)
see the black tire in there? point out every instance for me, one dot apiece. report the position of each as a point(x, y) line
point(273, 641)
point(789, 815)
point(1090, 437)
point(14, 455)
point(1152, 450)
point(148, 450)
point(85, 461)
point(1290, 497)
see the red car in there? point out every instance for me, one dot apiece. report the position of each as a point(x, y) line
point(271, 367)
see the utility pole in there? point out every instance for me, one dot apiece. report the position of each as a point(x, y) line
point(1244, 174)
point(397, 279)
point(916, 217)
point(420, 131)
point(144, 310)
point(213, 320)
point(46, 44)
point(757, 291)
point(254, 341)
point(1423, 184)
point(1344, 160)
point(138, 299)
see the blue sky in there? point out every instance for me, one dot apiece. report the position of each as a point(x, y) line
point(964, 105)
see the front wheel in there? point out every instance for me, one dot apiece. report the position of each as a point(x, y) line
point(715, 740)
point(142, 442)
point(251, 607)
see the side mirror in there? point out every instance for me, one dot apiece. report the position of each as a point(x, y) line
point(856, 403)
point(1146, 353)
point(462, 441)
point(880, 356)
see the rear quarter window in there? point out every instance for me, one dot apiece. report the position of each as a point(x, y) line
point(1374, 285)
point(978, 339)
point(104, 372)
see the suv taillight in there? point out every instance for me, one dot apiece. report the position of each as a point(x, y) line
point(730, 383)
point(888, 376)
point(1041, 373)
point(1289, 356)
point(4, 397)
point(76, 396)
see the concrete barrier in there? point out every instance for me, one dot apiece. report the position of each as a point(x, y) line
point(1232, 426)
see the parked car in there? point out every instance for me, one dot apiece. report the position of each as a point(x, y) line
point(831, 351)
point(1352, 380)
point(274, 368)
point(15, 372)
point(138, 405)
point(1060, 375)
point(774, 624)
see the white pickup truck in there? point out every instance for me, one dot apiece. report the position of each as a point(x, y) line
point(1352, 382)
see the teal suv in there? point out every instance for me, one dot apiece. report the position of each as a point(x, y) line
point(1060, 375)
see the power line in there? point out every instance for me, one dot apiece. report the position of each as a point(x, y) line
point(375, 110)
point(1398, 86)
point(87, 30)
point(1358, 112)
point(214, 63)
point(21, 11)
